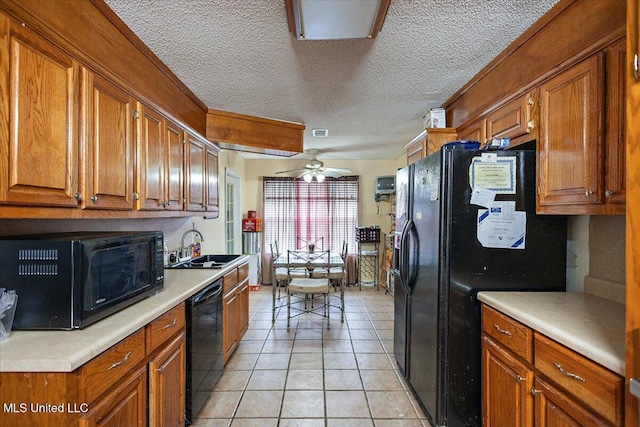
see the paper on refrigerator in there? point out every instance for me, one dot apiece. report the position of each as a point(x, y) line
point(501, 226)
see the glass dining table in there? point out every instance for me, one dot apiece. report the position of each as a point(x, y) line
point(310, 260)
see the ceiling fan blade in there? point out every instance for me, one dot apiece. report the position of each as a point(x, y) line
point(294, 170)
point(337, 170)
point(331, 174)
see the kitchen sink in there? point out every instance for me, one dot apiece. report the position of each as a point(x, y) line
point(206, 261)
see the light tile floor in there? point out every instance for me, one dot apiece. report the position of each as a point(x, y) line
point(311, 376)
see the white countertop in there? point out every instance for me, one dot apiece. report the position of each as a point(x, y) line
point(592, 326)
point(64, 351)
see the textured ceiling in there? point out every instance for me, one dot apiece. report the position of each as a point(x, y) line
point(238, 56)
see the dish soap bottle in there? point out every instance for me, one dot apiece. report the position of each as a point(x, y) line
point(196, 246)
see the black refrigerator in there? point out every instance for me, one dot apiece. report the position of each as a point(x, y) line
point(465, 222)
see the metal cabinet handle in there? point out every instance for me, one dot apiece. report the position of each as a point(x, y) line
point(520, 379)
point(170, 325)
point(124, 359)
point(609, 193)
point(78, 196)
point(535, 391)
point(567, 373)
point(136, 196)
point(502, 331)
point(588, 193)
point(93, 198)
point(636, 66)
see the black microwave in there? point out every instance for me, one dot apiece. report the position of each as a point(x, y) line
point(70, 280)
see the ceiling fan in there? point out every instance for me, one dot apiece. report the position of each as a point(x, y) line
point(314, 168)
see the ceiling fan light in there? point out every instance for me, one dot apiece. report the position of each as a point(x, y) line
point(320, 177)
point(307, 177)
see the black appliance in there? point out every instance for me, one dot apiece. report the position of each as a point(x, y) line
point(452, 242)
point(70, 280)
point(204, 347)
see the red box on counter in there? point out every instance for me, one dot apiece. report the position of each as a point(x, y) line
point(251, 224)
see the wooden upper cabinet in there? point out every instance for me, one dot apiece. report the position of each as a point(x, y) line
point(212, 181)
point(195, 173)
point(38, 120)
point(474, 131)
point(174, 146)
point(513, 120)
point(109, 156)
point(151, 159)
point(159, 180)
point(614, 186)
point(570, 152)
point(428, 141)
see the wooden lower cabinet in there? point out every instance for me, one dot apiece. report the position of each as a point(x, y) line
point(124, 406)
point(167, 384)
point(553, 408)
point(137, 382)
point(537, 381)
point(506, 397)
point(235, 309)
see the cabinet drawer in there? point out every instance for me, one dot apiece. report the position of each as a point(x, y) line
point(243, 272)
point(98, 375)
point(229, 280)
point(590, 383)
point(508, 332)
point(164, 327)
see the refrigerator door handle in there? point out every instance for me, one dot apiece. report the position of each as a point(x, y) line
point(413, 254)
point(402, 262)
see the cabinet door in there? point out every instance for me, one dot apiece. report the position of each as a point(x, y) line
point(212, 182)
point(108, 179)
point(229, 326)
point(175, 166)
point(512, 120)
point(150, 187)
point(196, 174)
point(243, 309)
point(506, 400)
point(125, 405)
point(416, 151)
point(614, 186)
point(167, 385)
point(38, 120)
point(475, 131)
point(570, 155)
point(553, 408)
point(437, 137)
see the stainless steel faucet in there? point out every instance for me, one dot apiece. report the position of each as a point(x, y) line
point(184, 251)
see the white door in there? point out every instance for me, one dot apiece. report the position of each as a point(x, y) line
point(233, 212)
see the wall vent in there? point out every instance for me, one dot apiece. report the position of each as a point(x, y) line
point(320, 133)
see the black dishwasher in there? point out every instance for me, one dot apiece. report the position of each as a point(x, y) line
point(204, 347)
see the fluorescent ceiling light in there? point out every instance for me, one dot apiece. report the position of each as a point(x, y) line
point(336, 19)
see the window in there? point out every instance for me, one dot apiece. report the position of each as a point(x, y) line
point(296, 209)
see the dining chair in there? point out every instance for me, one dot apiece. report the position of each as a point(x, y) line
point(302, 292)
point(338, 278)
point(281, 275)
point(337, 274)
point(304, 244)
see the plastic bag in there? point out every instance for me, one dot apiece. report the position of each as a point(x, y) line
point(8, 301)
